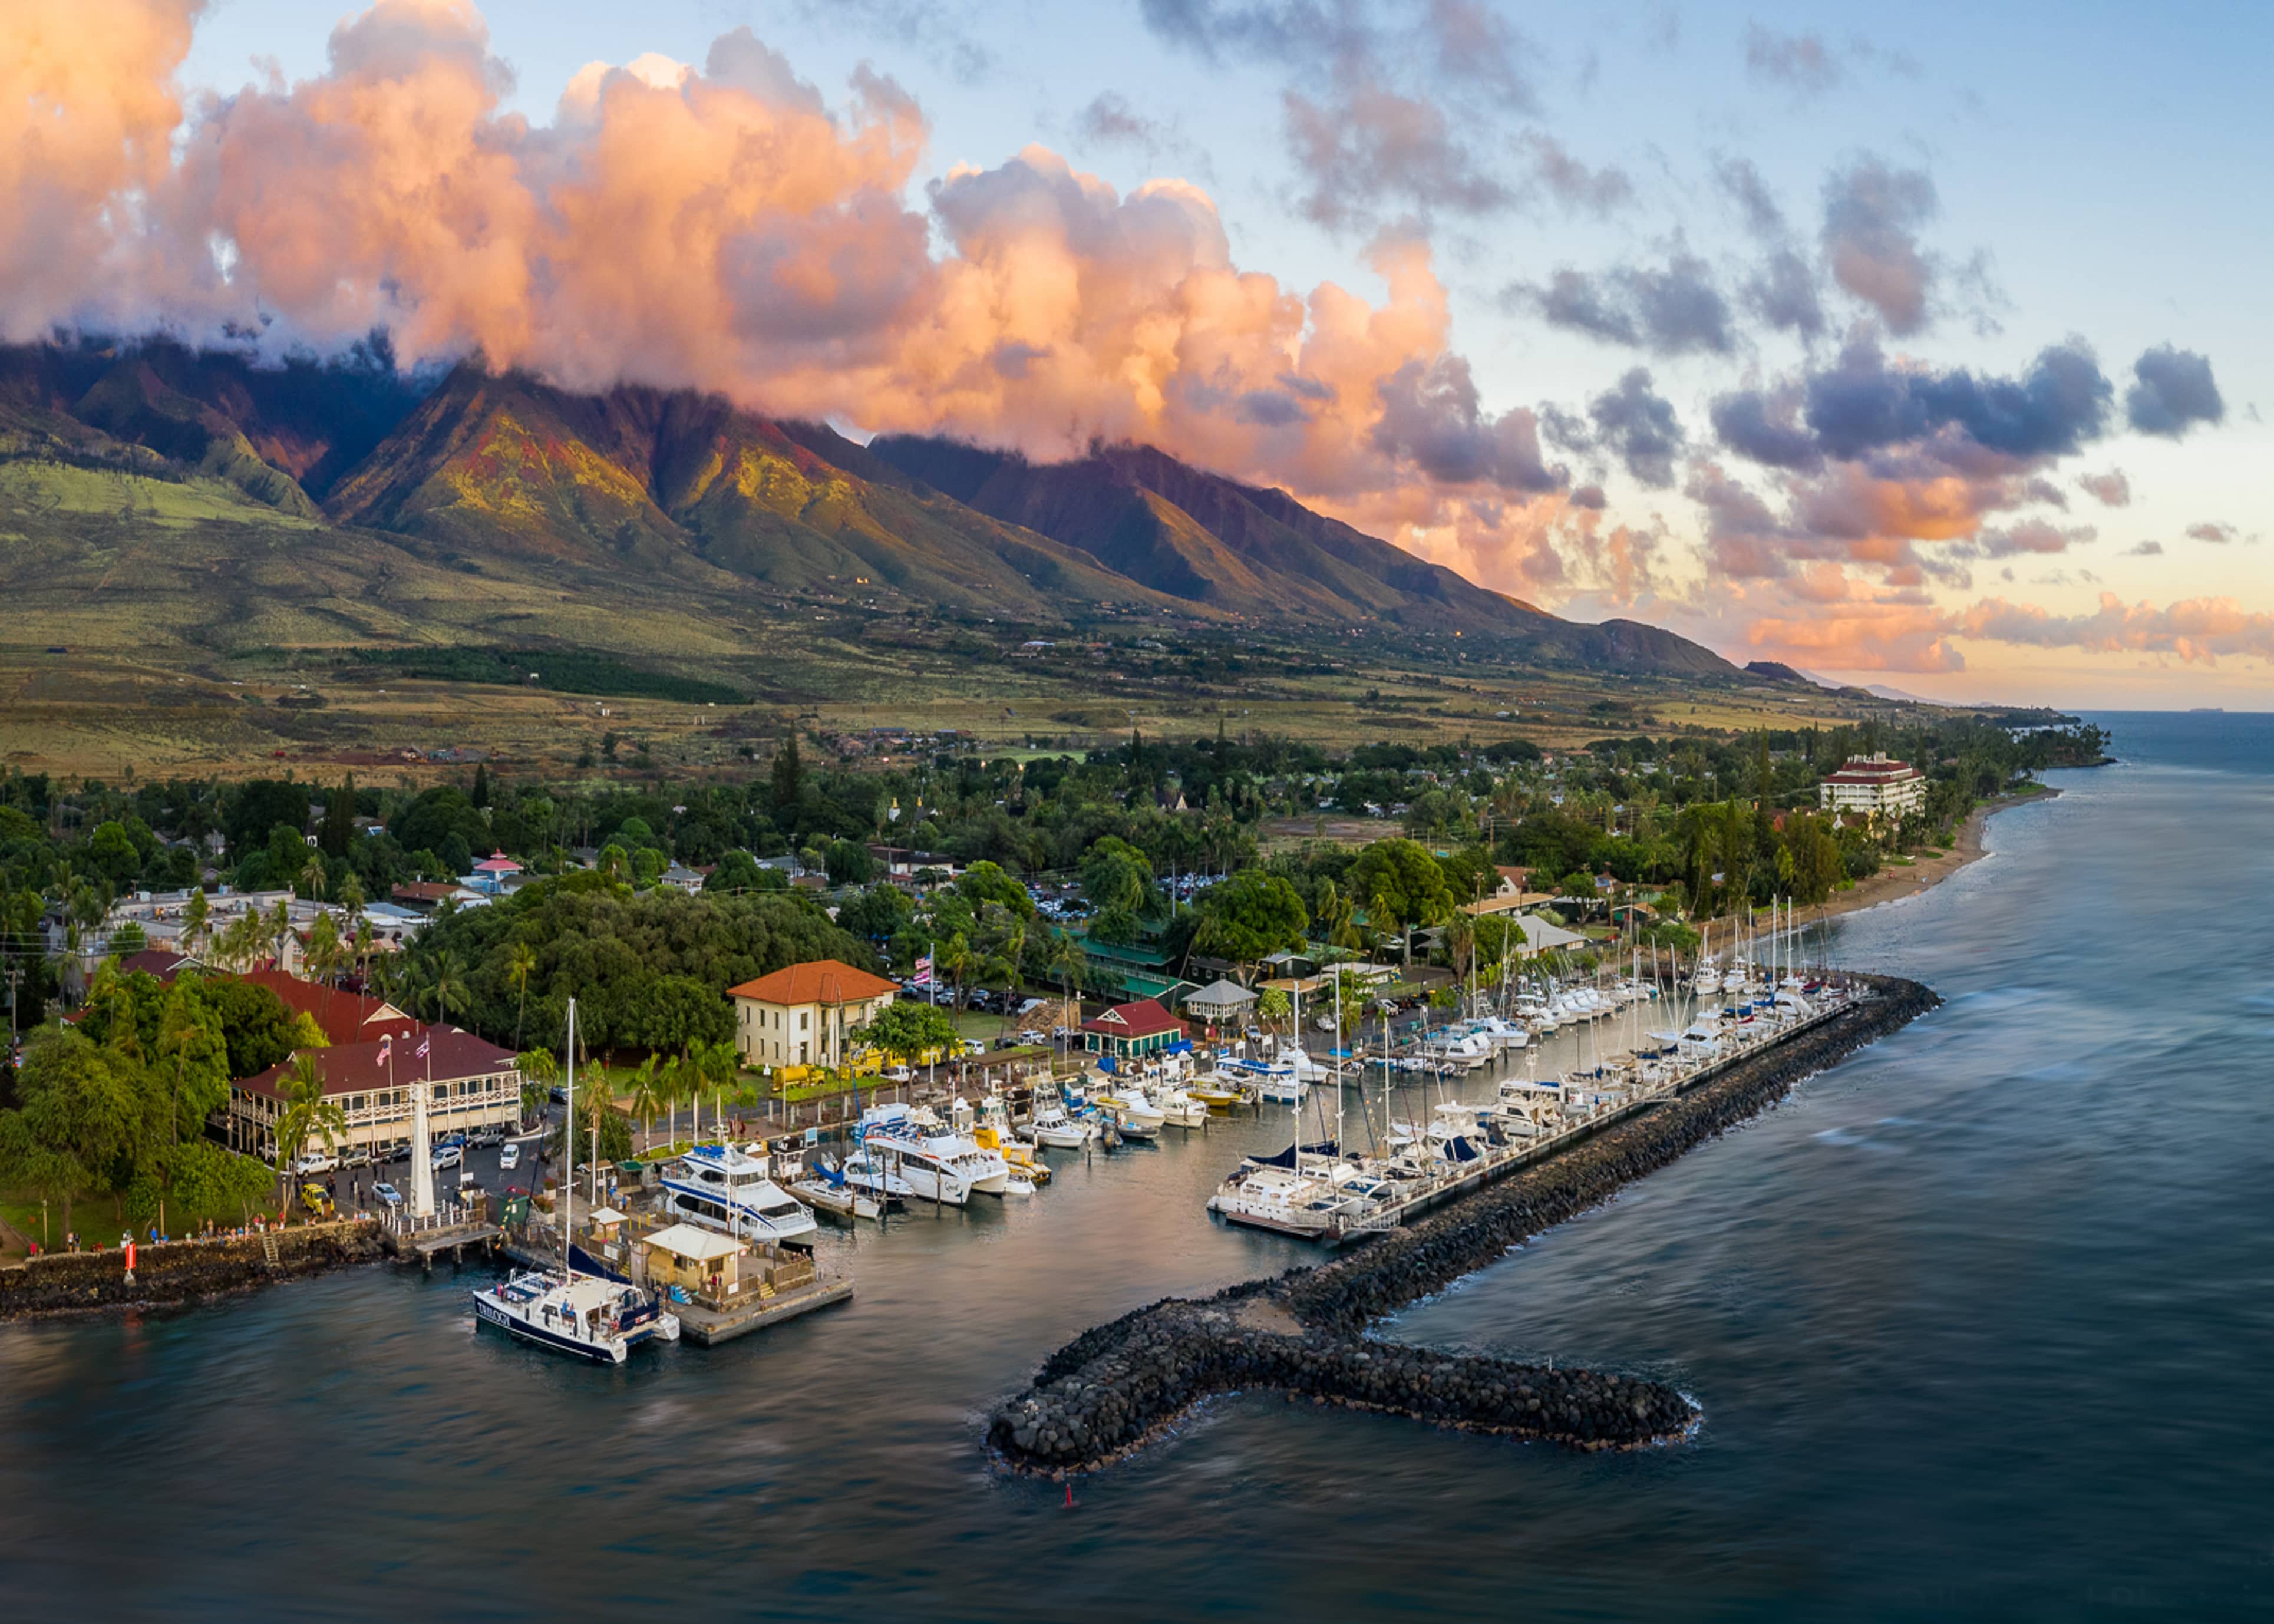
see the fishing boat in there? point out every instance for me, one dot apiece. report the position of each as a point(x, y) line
point(1059, 1129)
point(1017, 1156)
point(584, 1316)
point(1178, 1108)
point(1133, 1112)
point(721, 1187)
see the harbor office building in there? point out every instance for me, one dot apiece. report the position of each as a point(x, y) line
point(800, 1016)
point(1874, 786)
point(474, 1084)
point(1131, 1031)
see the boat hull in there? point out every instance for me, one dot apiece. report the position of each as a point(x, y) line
point(489, 1311)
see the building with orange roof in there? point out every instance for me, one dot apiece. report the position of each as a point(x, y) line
point(800, 1016)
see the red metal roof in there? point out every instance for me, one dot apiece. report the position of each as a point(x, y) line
point(824, 980)
point(1144, 1018)
point(1862, 771)
point(343, 1016)
point(356, 1068)
point(161, 962)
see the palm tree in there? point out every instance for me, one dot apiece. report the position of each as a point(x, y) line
point(363, 944)
point(306, 1115)
point(352, 897)
point(279, 926)
point(647, 1099)
point(197, 921)
point(448, 991)
point(955, 958)
point(312, 876)
point(539, 1068)
point(520, 964)
point(673, 1088)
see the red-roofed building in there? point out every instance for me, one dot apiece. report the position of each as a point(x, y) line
point(475, 1083)
point(342, 1017)
point(800, 1016)
point(1875, 786)
point(1129, 1030)
point(161, 962)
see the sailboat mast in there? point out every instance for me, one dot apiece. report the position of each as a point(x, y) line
point(569, 1138)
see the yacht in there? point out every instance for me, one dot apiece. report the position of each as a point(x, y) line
point(946, 1166)
point(721, 1187)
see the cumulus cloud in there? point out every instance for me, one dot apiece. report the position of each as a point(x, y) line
point(1871, 217)
point(2172, 390)
point(1783, 294)
point(1366, 145)
point(1640, 427)
point(1432, 416)
point(2146, 549)
point(2217, 534)
point(2109, 490)
point(1674, 310)
point(1863, 404)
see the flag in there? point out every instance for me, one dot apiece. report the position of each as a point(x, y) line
point(420, 1052)
point(387, 1049)
point(924, 970)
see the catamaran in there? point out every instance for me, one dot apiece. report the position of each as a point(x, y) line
point(583, 1315)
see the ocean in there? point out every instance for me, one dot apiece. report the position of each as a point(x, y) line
point(1979, 1322)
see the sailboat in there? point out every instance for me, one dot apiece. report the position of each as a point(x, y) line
point(586, 1316)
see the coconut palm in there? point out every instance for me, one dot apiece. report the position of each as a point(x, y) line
point(520, 965)
point(197, 922)
point(539, 1068)
point(313, 877)
point(647, 1099)
point(305, 1114)
point(447, 992)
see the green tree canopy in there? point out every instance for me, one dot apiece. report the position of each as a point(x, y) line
point(1250, 916)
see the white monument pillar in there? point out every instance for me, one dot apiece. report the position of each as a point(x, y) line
point(422, 1155)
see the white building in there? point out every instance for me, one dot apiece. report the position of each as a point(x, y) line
point(1874, 786)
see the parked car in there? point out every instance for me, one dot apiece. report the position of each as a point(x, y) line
point(559, 1095)
point(1032, 1036)
point(356, 1156)
point(509, 1158)
point(386, 1195)
point(317, 1200)
point(897, 1074)
point(446, 1156)
point(313, 1161)
point(489, 1133)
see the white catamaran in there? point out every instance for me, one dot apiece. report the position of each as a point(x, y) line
point(585, 1316)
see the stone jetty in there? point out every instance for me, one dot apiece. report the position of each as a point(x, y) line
point(1118, 1385)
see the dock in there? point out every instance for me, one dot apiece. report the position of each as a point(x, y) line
point(450, 1230)
point(707, 1327)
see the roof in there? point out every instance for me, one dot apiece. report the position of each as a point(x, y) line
point(158, 962)
point(1220, 994)
point(342, 1017)
point(497, 862)
point(1873, 770)
point(1540, 936)
point(353, 1068)
point(1144, 1018)
point(435, 890)
point(606, 1214)
point(822, 980)
point(684, 1240)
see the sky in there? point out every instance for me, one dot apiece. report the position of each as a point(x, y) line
point(1921, 346)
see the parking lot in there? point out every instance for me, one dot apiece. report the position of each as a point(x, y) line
point(352, 1187)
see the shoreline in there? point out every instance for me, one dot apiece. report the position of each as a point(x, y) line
point(1893, 884)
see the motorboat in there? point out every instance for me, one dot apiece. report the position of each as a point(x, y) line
point(1133, 1112)
point(722, 1187)
point(1057, 1128)
point(829, 1191)
point(1178, 1108)
point(1017, 1156)
point(1283, 1199)
point(937, 1166)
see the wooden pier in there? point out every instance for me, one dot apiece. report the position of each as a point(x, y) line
point(707, 1327)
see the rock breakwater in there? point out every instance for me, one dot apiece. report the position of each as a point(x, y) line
point(1118, 1385)
point(180, 1271)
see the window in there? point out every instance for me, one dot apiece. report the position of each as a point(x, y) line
point(804, 1020)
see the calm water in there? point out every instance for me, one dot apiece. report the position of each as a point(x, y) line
point(1981, 1322)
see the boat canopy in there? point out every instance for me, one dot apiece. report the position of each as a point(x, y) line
point(1289, 1157)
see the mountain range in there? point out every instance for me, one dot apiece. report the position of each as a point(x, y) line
point(477, 466)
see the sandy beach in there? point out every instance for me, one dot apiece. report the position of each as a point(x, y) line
point(1896, 881)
